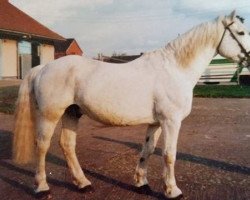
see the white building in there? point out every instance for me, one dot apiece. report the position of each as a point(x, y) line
point(24, 42)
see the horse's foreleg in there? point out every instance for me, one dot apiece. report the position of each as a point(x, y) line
point(68, 142)
point(45, 130)
point(170, 131)
point(152, 136)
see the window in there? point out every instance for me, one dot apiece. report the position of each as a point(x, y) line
point(24, 47)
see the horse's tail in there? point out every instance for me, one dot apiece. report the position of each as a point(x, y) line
point(25, 120)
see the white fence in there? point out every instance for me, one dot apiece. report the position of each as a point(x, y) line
point(228, 72)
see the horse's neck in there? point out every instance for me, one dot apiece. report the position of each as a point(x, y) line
point(194, 50)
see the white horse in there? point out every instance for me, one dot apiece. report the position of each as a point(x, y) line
point(155, 89)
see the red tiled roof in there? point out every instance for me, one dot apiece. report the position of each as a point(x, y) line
point(16, 21)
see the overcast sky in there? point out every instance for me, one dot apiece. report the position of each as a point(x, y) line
point(127, 26)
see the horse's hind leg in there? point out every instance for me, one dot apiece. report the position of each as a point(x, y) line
point(45, 130)
point(68, 142)
point(152, 136)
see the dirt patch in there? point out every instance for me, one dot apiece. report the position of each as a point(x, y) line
point(6, 83)
point(213, 158)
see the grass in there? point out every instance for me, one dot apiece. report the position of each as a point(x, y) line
point(222, 91)
point(8, 95)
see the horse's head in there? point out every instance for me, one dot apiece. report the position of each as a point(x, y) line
point(235, 40)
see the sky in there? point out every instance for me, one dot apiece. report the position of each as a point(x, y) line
point(127, 26)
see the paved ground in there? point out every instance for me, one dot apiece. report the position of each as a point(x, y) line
point(213, 158)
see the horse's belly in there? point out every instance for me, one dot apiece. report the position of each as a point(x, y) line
point(120, 120)
point(120, 113)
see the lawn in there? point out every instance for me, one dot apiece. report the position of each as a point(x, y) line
point(8, 95)
point(222, 91)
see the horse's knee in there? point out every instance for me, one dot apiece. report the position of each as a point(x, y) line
point(169, 159)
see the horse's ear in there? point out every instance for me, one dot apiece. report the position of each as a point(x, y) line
point(230, 18)
point(225, 21)
point(233, 15)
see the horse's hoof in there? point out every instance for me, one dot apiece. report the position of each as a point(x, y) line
point(44, 195)
point(145, 189)
point(176, 198)
point(87, 189)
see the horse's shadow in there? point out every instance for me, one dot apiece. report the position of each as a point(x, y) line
point(187, 157)
point(5, 144)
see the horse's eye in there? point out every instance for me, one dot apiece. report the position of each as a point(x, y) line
point(241, 33)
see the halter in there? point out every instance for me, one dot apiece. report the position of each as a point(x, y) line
point(243, 50)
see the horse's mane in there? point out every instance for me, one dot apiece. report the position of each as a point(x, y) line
point(186, 46)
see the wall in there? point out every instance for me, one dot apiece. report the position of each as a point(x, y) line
point(1, 59)
point(8, 62)
point(59, 54)
point(9, 57)
point(47, 53)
